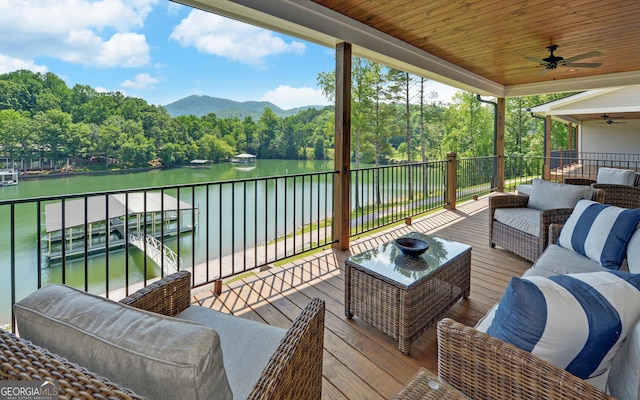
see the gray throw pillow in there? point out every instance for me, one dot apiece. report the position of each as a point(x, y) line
point(156, 356)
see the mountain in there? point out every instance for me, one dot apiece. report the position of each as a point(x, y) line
point(224, 108)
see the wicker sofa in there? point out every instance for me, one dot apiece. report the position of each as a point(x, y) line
point(509, 214)
point(485, 367)
point(293, 370)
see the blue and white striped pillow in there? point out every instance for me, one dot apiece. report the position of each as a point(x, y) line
point(575, 321)
point(600, 232)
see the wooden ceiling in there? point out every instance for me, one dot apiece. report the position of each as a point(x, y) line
point(491, 38)
point(475, 45)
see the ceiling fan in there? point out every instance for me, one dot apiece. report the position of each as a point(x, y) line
point(607, 120)
point(553, 61)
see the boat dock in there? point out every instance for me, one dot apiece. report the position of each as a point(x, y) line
point(8, 177)
point(95, 232)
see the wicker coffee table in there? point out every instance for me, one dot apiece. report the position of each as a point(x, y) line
point(402, 296)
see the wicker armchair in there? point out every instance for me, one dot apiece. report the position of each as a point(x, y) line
point(521, 243)
point(620, 195)
point(22, 360)
point(293, 372)
point(295, 369)
point(616, 195)
point(518, 242)
point(485, 368)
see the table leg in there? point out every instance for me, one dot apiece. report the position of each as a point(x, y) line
point(347, 292)
point(404, 342)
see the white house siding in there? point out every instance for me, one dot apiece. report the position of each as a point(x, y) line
point(615, 138)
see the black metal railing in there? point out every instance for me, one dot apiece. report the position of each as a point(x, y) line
point(114, 242)
point(476, 176)
point(389, 194)
point(523, 169)
point(221, 229)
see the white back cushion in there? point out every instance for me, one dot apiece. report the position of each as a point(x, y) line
point(549, 195)
point(156, 356)
point(616, 176)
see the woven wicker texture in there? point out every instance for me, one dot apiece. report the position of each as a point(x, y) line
point(620, 195)
point(485, 368)
point(22, 360)
point(615, 195)
point(294, 370)
point(523, 244)
point(578, 181)
point(405, 312)
point(167, 296)
point(425, 386)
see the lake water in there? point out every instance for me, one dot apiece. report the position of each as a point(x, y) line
point(26, 254)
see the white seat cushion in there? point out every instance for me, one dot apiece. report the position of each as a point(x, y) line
point(523, 219)
point(557, 260)
point(246, 345)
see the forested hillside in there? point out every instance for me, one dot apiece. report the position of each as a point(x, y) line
point(225, 108)
point(392, 120)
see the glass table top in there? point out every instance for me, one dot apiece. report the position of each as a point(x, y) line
point(388, 261)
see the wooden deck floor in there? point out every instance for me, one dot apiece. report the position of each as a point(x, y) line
point(360, 362)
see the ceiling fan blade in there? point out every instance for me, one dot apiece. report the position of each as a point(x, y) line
point(582, 65)
point(543, 71)
point(582, 56)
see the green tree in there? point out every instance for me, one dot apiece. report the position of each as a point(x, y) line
point(318, 149)
point(268, 127)
point(17, 134)
point(109, 136)
point(137, 150)
point(210, 147)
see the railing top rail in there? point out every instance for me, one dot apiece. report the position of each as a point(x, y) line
point(159, 188)
point(399, 165)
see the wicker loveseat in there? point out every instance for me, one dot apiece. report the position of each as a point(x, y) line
point(485, 367)
point(292, 371)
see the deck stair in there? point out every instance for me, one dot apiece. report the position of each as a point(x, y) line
point(162, 255)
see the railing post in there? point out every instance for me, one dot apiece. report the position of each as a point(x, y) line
point(548, 130)
point(499, 145)
point(452, 181)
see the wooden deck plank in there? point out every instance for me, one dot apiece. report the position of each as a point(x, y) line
point(360, 362)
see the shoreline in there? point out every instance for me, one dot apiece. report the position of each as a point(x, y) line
point(36, 176)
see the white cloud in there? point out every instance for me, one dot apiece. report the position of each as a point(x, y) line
point(81, 31)
point(212, 34)
point(142, 81)
point(8, 64)
point(287, 97)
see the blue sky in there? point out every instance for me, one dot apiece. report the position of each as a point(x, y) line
point(162, 52)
